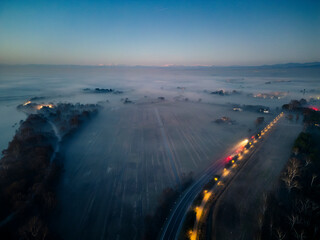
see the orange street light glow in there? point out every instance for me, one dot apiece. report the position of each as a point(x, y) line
point(225, 172)
point(206, 196)
point(198, 211)
point(44, 105)
point(192, 235)
point(26, 103)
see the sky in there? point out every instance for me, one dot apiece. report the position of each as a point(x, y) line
point(216, 32)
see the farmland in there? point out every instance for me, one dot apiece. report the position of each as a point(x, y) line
point(116, 167)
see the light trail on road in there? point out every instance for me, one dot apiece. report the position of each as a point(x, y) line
point(175, 221)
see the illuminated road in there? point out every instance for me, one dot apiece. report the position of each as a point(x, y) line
point(175, 221)
point(234, 216)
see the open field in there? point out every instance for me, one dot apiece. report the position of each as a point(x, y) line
point(117, 166)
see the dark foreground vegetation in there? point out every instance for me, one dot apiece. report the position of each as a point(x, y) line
point(154, 223)
point(30, 169)
point(292, 210)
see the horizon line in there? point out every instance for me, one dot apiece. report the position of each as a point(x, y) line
point(314, 63)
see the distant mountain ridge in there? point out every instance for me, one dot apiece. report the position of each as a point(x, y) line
point(293, 65)
point(280, 65)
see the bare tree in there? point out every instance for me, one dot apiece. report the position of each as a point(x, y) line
point(260, 220)
point(290, 183)
point(299, 236)
point(293, 167)
point(308, 161)
point(264, 203)
point(34, 226)
point(34, 229)
point(271, 226)
point(305, 205)
point(291, 173)
point(293, 220)
point(314, 176)
point(280, 234)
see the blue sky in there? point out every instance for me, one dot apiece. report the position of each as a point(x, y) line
point(217, 32)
